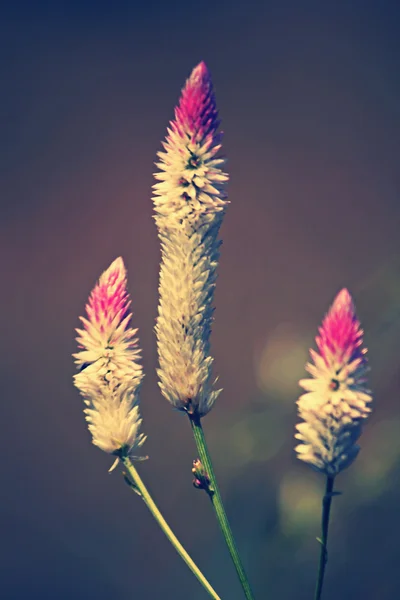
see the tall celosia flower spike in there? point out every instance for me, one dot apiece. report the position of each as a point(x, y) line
point(336, 399)
point(189, 203)
point(110, 376)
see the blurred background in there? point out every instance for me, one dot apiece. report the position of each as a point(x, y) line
point(308, 93)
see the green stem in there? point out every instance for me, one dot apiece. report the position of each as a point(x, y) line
point(218, 505)
point(323, 558)
point(141, 488)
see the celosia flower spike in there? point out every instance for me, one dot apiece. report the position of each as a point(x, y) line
point(336, 399)
point(191, 180)
point(110, 376)
point(189, 204)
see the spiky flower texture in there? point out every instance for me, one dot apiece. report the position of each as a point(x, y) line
point(189, 204)
point(191, 188)
point(336, 401)
point(109, 375)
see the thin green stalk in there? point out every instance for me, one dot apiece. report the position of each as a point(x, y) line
point(323, 557)
point(139, 486)
point(218, 505)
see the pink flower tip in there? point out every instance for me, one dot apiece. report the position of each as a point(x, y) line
point(115, 271)
point(343, 301)
point(196, 115)
point(340, 336)
point(199, 73)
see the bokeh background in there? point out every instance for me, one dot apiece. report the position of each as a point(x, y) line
point(309, 96)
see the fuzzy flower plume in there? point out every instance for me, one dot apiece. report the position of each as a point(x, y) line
point(336, 400)
point(109, 376)
point(189, 203)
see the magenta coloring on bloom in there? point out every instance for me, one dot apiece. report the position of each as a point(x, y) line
point(197, 114)
point(109, 302)
point(107, 326)
point(190, 191)
point(340, 337)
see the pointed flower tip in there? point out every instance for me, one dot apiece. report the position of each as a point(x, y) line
point(198, 85)
point(118, 263)
point(340, 333)
point(199, 73)
point(116, 269)
point(198, 82)
point(196, 114)
point(343, 300)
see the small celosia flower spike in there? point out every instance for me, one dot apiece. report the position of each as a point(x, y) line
point(191, 188)
point(189, 204)
point(109, 375)
point(336, 399)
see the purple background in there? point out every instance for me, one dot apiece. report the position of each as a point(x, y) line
point(308, 93)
